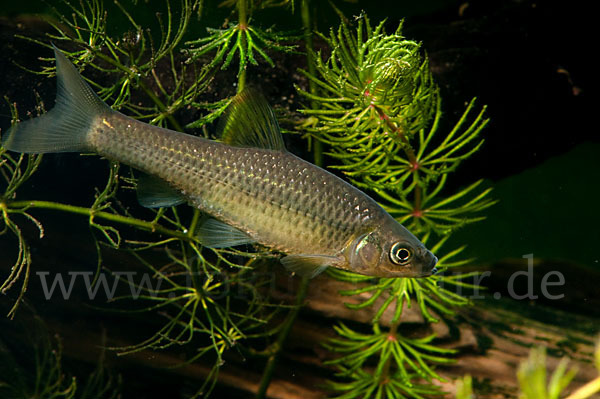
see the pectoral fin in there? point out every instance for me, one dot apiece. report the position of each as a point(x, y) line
point(216, 234)
point(308, 265)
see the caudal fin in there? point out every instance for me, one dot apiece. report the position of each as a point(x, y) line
point(66, 126)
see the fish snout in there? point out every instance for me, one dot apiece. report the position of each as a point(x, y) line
point(434, 262)
point(429, 262)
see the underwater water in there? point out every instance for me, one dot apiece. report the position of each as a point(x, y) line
point(121, 302)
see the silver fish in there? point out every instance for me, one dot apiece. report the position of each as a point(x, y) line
point(256, 191)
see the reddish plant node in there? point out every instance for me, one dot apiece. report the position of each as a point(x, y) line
point(417, 213)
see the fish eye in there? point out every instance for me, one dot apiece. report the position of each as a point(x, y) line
point(399, 254)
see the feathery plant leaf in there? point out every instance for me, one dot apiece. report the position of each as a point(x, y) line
point(131, 59)
point(15, 171)
point(206, 296)
point(238, 39)
point(42, 374)
point(378, 111)
point(242, 38)
point(47, 381)
point(399, 361)
point(376, 108)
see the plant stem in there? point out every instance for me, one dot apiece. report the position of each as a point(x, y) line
point(21, 206)
point(161, 106)
point(243, 26)
point(281, 338)
point(194, 222)
point(386, 367)
point(412, 158)
point(310, 61)
point(410, 154)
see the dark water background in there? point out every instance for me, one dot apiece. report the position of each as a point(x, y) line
point(530, 62)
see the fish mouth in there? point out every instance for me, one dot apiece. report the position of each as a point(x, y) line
point(432, 269)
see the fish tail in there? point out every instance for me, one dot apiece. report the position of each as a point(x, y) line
point(65, 128)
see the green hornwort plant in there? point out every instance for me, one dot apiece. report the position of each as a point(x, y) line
point(48, 380)
point(378, 112)
point(43, 376)
point(375, 110)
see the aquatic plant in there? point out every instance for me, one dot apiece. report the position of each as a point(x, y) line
point(372, 109)
point(38, 371)
point(377, 111)
point(47, 381)
point(534, 382)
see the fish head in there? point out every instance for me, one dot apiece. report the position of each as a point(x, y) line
point(390, 251)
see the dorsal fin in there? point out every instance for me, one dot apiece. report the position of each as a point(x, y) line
point(249, 121)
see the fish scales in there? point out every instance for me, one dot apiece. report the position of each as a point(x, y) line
point(248, 181)
point(275, 197)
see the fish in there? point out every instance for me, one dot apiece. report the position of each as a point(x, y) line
point(254, 190)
